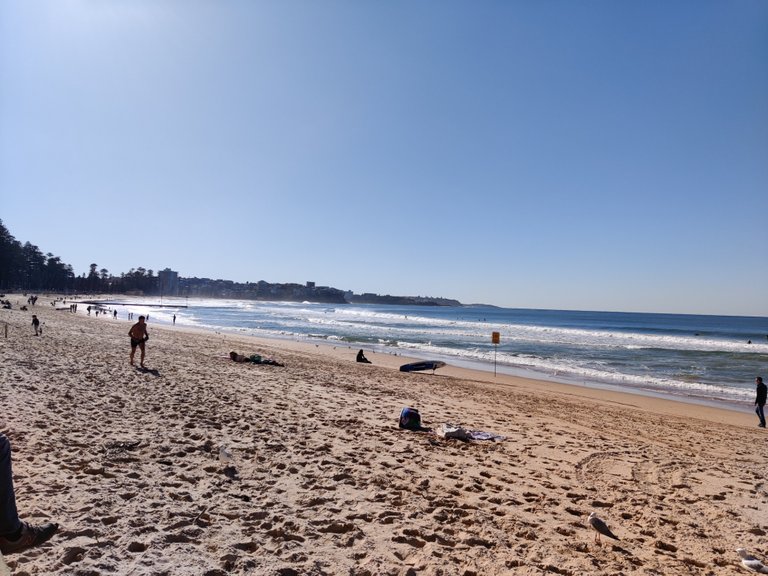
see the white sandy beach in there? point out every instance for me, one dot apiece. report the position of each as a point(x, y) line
point(127, 462)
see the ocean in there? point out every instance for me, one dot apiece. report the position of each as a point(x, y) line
point(709, 359)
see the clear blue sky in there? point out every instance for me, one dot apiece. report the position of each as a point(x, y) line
point(596, 154)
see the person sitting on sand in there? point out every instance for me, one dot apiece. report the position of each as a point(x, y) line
point(139, 336)
point(15, 535)
point(253, 359)
point(361, 358)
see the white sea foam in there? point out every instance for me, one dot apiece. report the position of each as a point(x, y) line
point(573, 372)
point(511, 333)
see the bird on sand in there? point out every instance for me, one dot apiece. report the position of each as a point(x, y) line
point(751, 563)
point(225, 456)
point(600, 528)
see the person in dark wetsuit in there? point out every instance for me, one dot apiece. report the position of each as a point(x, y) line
point(139, 336)
point(762, 392)
point(361, 358)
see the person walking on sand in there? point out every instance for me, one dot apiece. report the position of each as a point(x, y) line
point(762, 391)
point(15, 535)
point(139, 336)
point(36, 324)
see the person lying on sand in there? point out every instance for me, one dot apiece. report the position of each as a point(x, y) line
point(253, 359)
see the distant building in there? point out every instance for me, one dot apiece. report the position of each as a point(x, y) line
point(169, 282)
point(310, 285)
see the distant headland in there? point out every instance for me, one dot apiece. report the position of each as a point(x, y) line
point(24, 267)
point(171, 285)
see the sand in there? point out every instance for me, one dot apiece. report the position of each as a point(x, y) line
point(323, 482)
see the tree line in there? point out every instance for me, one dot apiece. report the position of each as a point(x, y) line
point(24, 267)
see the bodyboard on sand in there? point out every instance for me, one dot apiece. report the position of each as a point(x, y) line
point(419, 366)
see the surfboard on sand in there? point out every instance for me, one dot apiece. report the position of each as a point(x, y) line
point(419, 366)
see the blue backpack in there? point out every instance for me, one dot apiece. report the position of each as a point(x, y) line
point(410, 419)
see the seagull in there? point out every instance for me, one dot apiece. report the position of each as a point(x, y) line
point(601, 528)
point(751, 563)
point(225, 456)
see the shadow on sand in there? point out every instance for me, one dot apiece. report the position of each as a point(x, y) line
point(152, 371)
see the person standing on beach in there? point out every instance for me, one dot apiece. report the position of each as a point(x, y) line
point(139, 336)
point(15, 535)
point(36, 324)
point(762, 391)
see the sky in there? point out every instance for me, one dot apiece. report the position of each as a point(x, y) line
point(559, 154)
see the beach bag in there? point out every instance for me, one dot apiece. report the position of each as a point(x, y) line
point(454, 431)
point(410, 419)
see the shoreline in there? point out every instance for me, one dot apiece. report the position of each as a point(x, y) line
point(651, 403)
point(595, 391)
point(481, 373)
point(662, 404)
point(698, 393)
point(475, 371)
